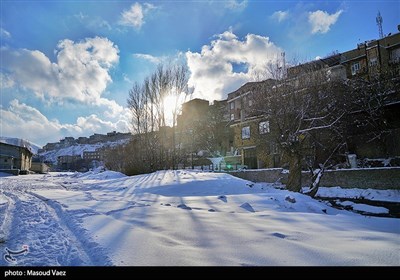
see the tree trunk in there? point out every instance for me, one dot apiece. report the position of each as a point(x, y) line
point(294, 180)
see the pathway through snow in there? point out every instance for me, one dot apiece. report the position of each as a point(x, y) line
point(30, 220)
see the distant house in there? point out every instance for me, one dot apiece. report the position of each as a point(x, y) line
point(69, 162)
point(15, 156)
point(40, 167)
point(93, 159)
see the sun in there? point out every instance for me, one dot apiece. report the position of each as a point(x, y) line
point(172, 104)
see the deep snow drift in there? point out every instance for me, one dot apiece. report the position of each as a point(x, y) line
point(182, 218)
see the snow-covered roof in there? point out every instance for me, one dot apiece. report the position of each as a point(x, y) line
point(20, 143)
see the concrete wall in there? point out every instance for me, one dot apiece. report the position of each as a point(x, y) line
point(374, 178)
point(6, 162)
point(22, 158)
point(25, 161)
point(40, 167)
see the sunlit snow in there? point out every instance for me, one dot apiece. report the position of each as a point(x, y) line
point(182, 218)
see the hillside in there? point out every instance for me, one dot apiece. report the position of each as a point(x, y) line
point(78, 149)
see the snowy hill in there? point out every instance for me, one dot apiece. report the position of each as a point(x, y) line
point(78, 149)
point(21, 143)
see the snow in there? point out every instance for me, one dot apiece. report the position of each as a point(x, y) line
point(183, 218)
point(363, 207)
point(99, 174)
point(370, 209)
point(3, 174)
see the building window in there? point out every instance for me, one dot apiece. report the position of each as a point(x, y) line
point(246, 132)
point(232, 117)
point(355, 68)
point(232, 105)
point(263, 127)
point(395, 56)
point(274, 148)
point(373, 61)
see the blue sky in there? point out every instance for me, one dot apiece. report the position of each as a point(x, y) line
point(67, 66)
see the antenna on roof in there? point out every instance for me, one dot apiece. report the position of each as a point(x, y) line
point(379, 21)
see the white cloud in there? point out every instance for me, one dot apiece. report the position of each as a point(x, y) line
point(280, 15)
point(126, 78)
point(5, 81)
point(4, 33)
point(92, 123)
point(113, 110)
point(39, 129)
point(81, 16)
point(92, 22)
point(134, 17)
point(81, 72)
point(97, 23)
point(36, 127)
point(236, 4)
point(149, 57)
point(321, 21)
point(212, 70)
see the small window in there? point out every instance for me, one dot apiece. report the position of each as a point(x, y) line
point(244, 101)
point(5, 160)
point(246, 132)
point(232, 105)
point(355, 68)
point(232, 117)
point(274, 148)
point(263, 127)
point(373, 61)
point(395, 55)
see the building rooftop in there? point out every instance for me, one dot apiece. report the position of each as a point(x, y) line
point(20, 143)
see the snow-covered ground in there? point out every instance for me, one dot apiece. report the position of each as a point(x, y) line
point(182, 218)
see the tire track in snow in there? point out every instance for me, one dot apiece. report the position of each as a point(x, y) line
point(31, 220)
point(36, 226)
point(6, 220)
point(92, 252)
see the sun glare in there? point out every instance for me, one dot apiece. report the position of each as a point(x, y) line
point(172, 104)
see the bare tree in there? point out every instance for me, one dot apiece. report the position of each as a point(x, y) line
point(154, 143)
point(370, 97)
point(315, 111)
point(301, 111)
point(179, 92)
